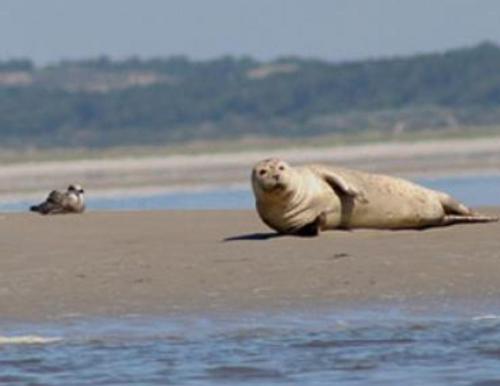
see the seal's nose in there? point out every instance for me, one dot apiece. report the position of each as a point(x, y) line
point(276, 177)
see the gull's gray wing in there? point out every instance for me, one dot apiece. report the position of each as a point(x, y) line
point(53, 204)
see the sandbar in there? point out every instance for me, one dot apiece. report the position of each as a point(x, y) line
point(162, 262)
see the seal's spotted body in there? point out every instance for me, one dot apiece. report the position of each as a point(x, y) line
point(305, 200)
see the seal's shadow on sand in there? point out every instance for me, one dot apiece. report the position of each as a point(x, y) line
point(268, 235)
point(255, 236)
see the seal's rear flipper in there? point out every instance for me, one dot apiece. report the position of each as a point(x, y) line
point(452, 206)
point(457, 219)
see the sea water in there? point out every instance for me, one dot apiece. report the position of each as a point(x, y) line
point(473, 190)
point(389, 344)
point(369, 346)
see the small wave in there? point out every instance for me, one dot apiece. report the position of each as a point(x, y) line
point(486, 317)
point(242, 373)
point(28, 339)
point(315, 343)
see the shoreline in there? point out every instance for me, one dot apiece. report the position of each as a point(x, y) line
point(188, 172)
point(158, 190)
point(108, 264)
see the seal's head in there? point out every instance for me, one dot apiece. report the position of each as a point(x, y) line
point(271, 176)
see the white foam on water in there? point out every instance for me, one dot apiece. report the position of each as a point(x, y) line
point(28, 339)
point(486, 317)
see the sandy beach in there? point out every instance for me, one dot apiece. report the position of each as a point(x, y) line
point(108, 264)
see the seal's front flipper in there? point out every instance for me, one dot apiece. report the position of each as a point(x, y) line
point(312, 229)
point(309, 230)
point(340, 184)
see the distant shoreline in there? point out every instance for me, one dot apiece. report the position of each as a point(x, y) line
point(161, 174)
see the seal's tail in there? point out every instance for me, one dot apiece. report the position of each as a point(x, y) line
point(473, 218)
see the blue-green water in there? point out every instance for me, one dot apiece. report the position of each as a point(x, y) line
point(384, 346)
point(390, 344)
point(474, 191)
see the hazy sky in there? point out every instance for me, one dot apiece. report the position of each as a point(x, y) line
point(50, 30)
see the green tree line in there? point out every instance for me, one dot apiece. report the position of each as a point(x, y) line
point(102, 102)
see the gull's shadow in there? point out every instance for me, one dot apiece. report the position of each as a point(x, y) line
point(255, 236)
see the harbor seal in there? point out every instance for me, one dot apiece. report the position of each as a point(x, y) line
point(306, 200)
point(70, 201)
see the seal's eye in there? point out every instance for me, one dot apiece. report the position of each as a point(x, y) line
point(281, 167)
point(262, 172)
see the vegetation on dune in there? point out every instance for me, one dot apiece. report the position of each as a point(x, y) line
point(98, 103)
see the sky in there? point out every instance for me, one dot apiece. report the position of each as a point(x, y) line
point(336, 30)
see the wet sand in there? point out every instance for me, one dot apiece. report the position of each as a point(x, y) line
point(108, 264)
